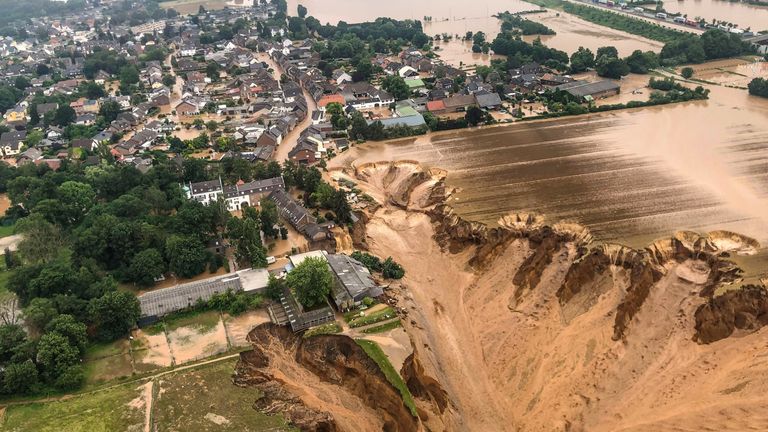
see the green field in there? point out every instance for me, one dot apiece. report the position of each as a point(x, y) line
point(105, 362)
point(383, 327)
point(103, 411)
point(374, 351)
point(205, 399)
point(378, 316)
point(7, 230)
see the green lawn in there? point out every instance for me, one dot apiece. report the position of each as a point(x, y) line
point(7, 230)
point(384, 327)
point(108, 361)
point(382, 315)
point(203, 322)
point(198, 399)
point(103, 411)
point(327, 328)
point(374, 351)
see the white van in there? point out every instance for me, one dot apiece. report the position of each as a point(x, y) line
point(661, 15)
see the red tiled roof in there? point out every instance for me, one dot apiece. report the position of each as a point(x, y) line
point(435, 105)
point(325, 100)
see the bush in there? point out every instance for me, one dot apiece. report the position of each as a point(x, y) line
point(687, 72)
point(373, 263)
point(392, 270)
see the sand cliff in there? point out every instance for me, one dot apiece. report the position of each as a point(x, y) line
point(528, 326)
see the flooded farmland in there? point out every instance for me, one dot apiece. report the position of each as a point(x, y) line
point(630, 176)
point(457, 18)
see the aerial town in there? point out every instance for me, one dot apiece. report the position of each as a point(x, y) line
point(268, 215)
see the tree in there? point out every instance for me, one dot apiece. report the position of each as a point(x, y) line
point(246, 236)
point(186, 256)
point(109, 110)
point(474, 115)
point(71, 378)
point(420, 39)
point(129, 75)
point(146, 266)
point(34, 116)
point(64, 115)
point(39, 313)
point(311, 280)
point(212, 125)
point(77, 198)
point(392, 270)
point(758, 87)
point(641, 62)
point(607, 51)
point(687, 72)
point(74, 331)
point(42, 240)
point(302, 11)
point(268, 218)
point(611, 67)
point(396, 86)
point(338, 117)
point(114, 314)
point(55, 354)
point(11, 336)
point(20, 378)
point(21, 82)
point(91, 90)
point(581, 60)
point(275, 287)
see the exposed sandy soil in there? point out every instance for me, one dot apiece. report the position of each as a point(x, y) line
point(188, 343)
point(153, 352)
point(239, 326)
point(516, 359)
point(395, 343)
point(5, 203)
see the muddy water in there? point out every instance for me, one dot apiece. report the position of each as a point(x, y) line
point(457, 17)
point(630, 176)
point(743, 14)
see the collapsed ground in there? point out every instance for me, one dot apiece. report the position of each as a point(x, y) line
point(524, 327)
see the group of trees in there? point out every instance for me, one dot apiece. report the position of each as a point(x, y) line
point(317, 193)
point(712, 44)
point(388, 268)
point(608, 64)
point(759, 87)
point(86, 229)
point(519, 52)
point(516, 24)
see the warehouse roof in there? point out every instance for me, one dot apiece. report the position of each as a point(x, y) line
point(583, 89)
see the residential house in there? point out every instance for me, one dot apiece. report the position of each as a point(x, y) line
point(11, 142)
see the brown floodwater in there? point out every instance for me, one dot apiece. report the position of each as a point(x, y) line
point(630, 176)
point(743, 14)
point(456, 18)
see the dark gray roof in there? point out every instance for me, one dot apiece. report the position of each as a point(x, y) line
point(167, 300)
point(296, 214)
point(206, 186)
point(582, 89)
point(488, 100)
point(256, 186)
point(356, 282)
